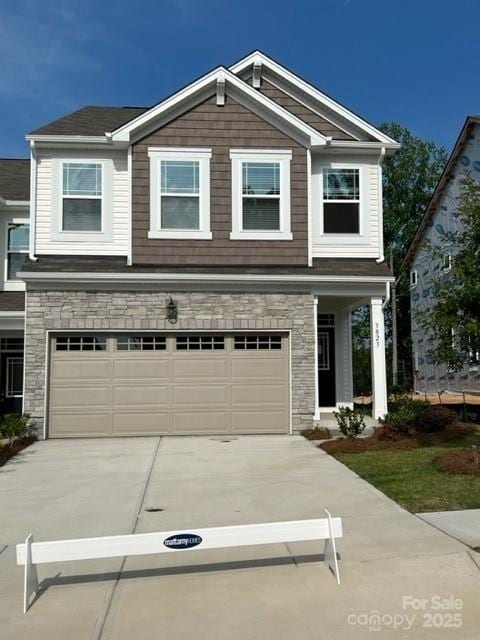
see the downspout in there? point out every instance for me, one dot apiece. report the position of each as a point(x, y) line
point(381, 258)
point(386, 302)
point(33, 200)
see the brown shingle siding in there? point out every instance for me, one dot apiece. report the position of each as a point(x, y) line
point(221, 129)
point(325, 127)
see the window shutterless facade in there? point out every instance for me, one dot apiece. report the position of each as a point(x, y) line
point(180, 193)
point(17, 248)
point(341, 201)
point(260, 194)
point(82, 206)
point(82, 193)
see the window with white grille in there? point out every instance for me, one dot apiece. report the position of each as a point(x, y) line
point(200, 343)
point(141, 343)
point(257, 342)
point(81, 343)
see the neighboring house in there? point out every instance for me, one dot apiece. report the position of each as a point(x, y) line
point(194, 265)
point(426, 267)
point(14, 225)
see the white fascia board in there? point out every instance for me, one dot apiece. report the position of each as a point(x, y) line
point(123, 133)
point(60, 276)
point(69, 139)
point(259, 57)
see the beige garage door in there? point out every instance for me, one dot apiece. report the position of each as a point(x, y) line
point(119, 385)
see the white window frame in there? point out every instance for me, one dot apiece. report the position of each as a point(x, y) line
point(12, 285)
point(362, 188)
point(106, 232)
point(413, 278)
point(283, 158)
point(203, 156)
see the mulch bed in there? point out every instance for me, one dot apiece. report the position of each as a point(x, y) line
point(319, 433)
point(378, 441)
point(458, 461)
point(7, 452)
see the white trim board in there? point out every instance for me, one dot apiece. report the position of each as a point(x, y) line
point(192, 539)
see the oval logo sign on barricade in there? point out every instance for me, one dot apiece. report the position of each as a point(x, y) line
point(182, 541)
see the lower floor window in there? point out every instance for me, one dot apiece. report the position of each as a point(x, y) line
point(14, 386)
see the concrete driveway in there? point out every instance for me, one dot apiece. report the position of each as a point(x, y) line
point(63, 489)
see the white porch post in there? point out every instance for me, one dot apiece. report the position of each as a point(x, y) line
point(379, 372)
point(316, 415)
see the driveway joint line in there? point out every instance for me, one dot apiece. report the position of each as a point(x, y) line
point(99, 635)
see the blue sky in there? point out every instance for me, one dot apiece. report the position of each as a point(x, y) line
point(412, 61)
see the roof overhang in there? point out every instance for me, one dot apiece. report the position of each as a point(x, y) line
point(203, 88)
point(259, 59)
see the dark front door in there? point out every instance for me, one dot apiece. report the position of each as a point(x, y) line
point(326, 367)
point(11, 382)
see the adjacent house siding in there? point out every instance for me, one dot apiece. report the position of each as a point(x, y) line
point(221, 129)
point(367, 244)
point(431, 377)
point(47, 203)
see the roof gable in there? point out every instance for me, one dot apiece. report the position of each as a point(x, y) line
point(442, 183)
point(220, 79)
point(313, 97)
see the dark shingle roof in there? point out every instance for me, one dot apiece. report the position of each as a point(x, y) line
point(15, 178)
point(12, 300)
point(106, 264)
point(90, 121)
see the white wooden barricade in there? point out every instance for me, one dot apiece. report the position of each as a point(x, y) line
point(32, 553)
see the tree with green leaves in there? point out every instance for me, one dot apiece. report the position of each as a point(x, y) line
point(409, 178)
point(453, 320)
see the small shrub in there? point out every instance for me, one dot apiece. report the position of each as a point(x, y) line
point(435, 418)
point(405, 413)
point(351, 422)
point(14, 425)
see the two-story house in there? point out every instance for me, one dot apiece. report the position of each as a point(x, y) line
point(430, 257)
point(194, 265)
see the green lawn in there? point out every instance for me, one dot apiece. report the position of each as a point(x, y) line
point(410, 478)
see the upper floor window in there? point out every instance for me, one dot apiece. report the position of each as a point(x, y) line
point(413, 278)
point(341, 201)
point(82, 197)
point(260, 194)
point(179, 193)
point(447, 263)
point(17, 248)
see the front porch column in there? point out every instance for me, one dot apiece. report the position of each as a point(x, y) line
point(379, 372)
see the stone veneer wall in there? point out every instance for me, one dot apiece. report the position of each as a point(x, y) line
point(104, 310)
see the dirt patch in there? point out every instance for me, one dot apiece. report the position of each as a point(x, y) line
point(381, 440)
point(458, 461)
point(7, 452)
point(319, 433)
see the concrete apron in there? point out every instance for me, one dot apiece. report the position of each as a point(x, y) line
point(391, 562)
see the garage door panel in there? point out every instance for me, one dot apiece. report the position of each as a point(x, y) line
point(81, 396)
point(202, 368)
point(259, 421)
point(258, 367)
point(202, 422)
point(158, 388)
point(201, 394)
point(144, 368)
point(81, 368)
point(142, 423)
point(66, 424)
point(245, 394)
point(156, 395)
